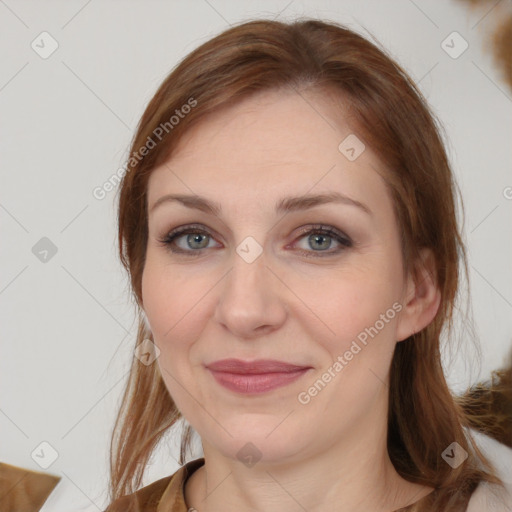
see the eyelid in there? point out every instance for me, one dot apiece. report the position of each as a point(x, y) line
point(326, 228)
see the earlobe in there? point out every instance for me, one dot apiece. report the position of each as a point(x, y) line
point(422, 297)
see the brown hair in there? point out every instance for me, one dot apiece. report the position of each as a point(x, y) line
point(393, 118)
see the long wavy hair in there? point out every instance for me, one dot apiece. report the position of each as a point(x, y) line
point(392, 116)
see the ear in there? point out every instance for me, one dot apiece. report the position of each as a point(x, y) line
point(421, 298)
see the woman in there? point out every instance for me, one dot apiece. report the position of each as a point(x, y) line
point(288, 222)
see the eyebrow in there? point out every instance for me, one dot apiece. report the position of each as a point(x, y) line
point(286, 204)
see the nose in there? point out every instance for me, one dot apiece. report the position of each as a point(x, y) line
point(251, 301)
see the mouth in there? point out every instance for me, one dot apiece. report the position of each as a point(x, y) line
point(253, 377)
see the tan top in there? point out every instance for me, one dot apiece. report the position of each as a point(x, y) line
point(164, 495)
point(24, 490)
point(168, 495)
point(173, 498)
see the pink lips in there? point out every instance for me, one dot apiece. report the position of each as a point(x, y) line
point(258, 376)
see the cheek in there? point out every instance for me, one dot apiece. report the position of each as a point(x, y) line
point(169, 303)
point(178, 307)
point(361, 313)
point(346, 303)
point(168, 294)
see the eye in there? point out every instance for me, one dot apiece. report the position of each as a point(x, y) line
point(318, 237)
point(197, 239)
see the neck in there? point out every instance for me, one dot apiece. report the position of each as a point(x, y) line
point(355, 475)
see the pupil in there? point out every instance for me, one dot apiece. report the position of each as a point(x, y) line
point(197, 238)
point(320, 237)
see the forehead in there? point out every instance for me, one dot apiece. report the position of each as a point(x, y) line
point(273, 143)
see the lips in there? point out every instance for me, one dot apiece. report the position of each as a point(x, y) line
point(252, 377)
point(254, 367)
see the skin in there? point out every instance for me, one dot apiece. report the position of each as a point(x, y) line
point(330, 452)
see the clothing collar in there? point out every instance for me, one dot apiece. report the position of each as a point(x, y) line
point(173, 498)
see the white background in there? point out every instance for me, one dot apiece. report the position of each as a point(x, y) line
point(68, 328)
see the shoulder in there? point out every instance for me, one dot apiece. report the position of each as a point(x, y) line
point(167, 492)
point(145, 499)
point(491, 497)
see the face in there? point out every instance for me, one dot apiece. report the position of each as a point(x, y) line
point(318, 285)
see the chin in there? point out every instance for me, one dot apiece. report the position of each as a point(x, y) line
point(264, 441)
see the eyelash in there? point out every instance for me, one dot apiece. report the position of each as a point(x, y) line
point(168, 240)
